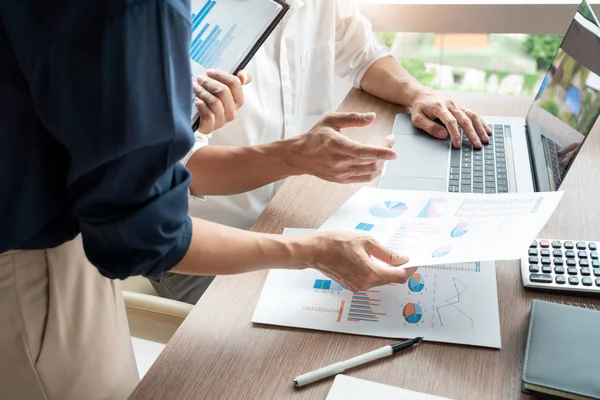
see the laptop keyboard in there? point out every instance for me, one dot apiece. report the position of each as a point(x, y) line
point(479, 171)
point(557, 169)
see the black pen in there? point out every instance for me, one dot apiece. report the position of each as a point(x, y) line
point(342, 366)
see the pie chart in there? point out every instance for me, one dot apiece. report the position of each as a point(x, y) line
point(388, 209)
point(459, 230)
point(441, 252)
point(416, 283)
point(412, 313)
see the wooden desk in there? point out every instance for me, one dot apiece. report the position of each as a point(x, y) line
point(218, 353)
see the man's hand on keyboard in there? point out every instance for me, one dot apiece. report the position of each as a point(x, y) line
point(429, 107)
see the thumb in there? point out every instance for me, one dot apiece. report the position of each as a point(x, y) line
point(423, 122)
point(245, 77)
point(339, 121)
point(389, 140)
point(377, 250)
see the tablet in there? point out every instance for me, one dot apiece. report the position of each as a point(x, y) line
point(227, 33)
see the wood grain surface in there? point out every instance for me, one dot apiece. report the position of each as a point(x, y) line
point(219, 354)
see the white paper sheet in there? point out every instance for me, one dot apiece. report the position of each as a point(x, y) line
point(442, 228)
point(349, 388)
point(446, 303)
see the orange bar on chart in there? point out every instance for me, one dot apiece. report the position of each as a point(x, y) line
point(341, 311)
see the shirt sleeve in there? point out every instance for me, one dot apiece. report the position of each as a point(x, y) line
point(200, 140)
point(356, 48)
point(116, 93)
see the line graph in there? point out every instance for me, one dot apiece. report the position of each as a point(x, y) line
point(454, 300)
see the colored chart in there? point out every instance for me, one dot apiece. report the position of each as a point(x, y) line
point(459, 230)
point(430, 210)
point(364, 307)
point(441, 252)
point(207, 46)
point(363, 226)
point(454, 301)
point(412, 313)
point(416, 283)
point(388, 209)
point(326, 284)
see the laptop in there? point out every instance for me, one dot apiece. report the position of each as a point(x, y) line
point(524, 154)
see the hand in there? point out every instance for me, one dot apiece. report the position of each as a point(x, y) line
point(567, 153)
point(324, 152)
point(429, 107)
point(218, 97)
point(346, 257)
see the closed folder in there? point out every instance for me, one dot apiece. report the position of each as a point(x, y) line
point(562, 356)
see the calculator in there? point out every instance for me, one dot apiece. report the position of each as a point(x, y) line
point(562, 266)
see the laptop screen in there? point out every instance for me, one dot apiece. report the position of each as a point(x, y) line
point(568, 102)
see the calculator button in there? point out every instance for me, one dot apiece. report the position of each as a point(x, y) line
point(533, 244)
point(596, 272)
point(533, 260)
point(573, 280)
point(596, 263)
point(586, 281)
point(544, 244)
point(558, 261)
point(582, 254)
point(545, 253)
point(534, 268)
point(568, 245)
point(533, 252)
point(572, 271)
point(592, 246)
point(581, 246)
point(556, 244)
point(540, 278)
point(561, 270)
point(571, 262)
point(556, 253)
point(594, 255)
point(585, 271)
point(547, 269)
point(561, 280)
point(597, 281)
point(570, 254)
point(584, 263)
point(546, 261)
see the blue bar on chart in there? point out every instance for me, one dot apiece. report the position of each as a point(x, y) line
point(326, 284)
point(207, 47)
point(363, 226)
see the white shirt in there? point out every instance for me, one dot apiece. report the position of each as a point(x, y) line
point(293, 74)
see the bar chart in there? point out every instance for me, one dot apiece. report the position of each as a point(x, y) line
point(326, 284)
point(208, 46)
point(364, 307)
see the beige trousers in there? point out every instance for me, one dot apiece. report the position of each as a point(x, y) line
point(63, 328)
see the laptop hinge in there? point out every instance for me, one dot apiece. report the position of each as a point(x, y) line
point(531, 160)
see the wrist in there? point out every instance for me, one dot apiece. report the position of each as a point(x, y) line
point(289, 155)
point(304, 251)
point(416, 92)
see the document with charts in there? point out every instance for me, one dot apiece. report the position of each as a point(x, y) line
point(446, 303)
point(443, 228)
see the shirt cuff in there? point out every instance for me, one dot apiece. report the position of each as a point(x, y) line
point(361, 73)
point(200, 140)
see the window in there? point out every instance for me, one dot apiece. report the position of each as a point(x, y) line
point(478, 62)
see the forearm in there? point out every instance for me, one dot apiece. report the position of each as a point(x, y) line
point(221, 250)
point(388, 80)
point(224, 170)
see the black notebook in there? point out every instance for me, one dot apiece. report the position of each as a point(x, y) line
point(562, 356)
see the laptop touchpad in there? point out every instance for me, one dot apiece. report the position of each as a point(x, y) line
point(419, 156)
